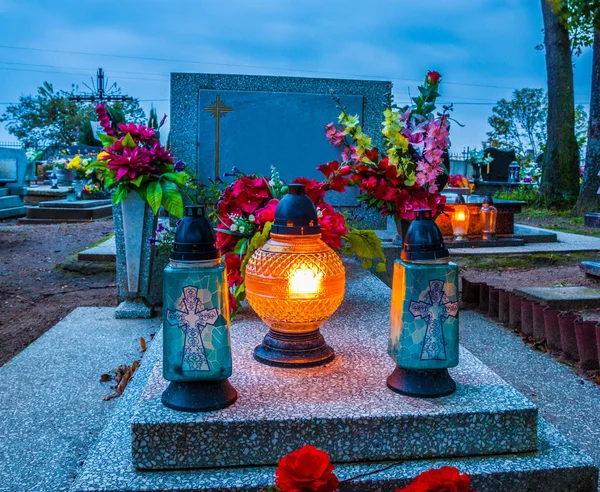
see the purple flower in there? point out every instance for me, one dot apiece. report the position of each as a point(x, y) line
point(160, 228)
point(152, 241)
point(179, 166)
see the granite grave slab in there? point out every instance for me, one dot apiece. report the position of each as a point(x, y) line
point(344, 408)
point(564, 298)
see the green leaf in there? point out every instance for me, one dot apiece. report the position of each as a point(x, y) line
point(128, 141)
point(120, 193)
point(154, 194)
point(171, 199)
point(137, 181)
point(177, 178)
point(366, 245)
point(240, 247)
point(255, 242)
point(106, 140)
point(380, 268)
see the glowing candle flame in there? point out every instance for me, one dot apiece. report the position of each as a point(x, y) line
point(305, 282)
point(460, 215)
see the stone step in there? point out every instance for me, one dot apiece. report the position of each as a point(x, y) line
point(10, 201)
point(63, 213)
point(9, 213)
point(558, 465)
point(103, 252)
point(344, 408)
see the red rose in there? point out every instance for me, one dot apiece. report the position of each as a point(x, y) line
point(433, 77)
point(247, 194)
point(314, 189)
point(307, 469)
point(445, 479)
point(267, 213)
point(333, 225)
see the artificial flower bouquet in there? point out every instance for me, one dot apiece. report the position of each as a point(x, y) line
point(133, 160)
point(458, 181)
point(309, 469)
point(402, 177)
point(246, 211)
point(79, 166)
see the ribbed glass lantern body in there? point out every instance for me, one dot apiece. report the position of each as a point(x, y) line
point(489, 214)
point(196, 345)
point(460, 222)
point(295, 283)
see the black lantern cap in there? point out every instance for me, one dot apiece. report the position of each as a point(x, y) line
point(296, 214)
point(194, 238)
point(488, 200)
point(424, 240)
point(460, 200)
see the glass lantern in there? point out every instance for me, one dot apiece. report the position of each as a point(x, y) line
point(54, 181)
point(196, 327)
point(423, 339)
point(488, 213)
point(460, 219)
point(295, 282)
point(514, 170)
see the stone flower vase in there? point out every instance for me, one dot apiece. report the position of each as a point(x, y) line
point(134, 224)
point(402, 226)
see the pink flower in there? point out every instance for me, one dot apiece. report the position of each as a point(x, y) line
point(133, 163)
point(138, 132)
point(332, 224)
point(104, 119)
point(266, 213)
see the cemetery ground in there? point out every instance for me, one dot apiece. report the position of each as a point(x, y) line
point(35, 292)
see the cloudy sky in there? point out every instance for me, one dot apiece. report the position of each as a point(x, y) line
point(484, 48)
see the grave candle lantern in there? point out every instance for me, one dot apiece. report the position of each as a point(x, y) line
point(460, 219)
point(513, 172)
point(295, 282)
point(488, 214)
point(54, 181)
point(424, 313)
point(196, 345)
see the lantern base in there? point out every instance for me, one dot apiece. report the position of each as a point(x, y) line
point(199, 396)
point(430, 383)
point(294, 350)
point(488, 236)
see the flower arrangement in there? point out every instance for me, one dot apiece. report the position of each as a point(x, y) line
point(458, 181)
point(79, 166)
point(133, 160)
point(478, 160)
point(246, 211)
point(401, 178)
point(59, 163)
point(309, 469)
point(90, 191)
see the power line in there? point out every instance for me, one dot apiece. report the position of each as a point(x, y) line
point(204, 62)
point(73, 73)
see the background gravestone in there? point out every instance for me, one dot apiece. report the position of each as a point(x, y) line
point(255, 122)
point(499, 166)
point(13, 166)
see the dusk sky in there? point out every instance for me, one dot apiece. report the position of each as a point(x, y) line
point(484, 48)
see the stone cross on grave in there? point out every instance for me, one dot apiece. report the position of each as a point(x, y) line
point(192, 322)
point(434, 309)
point(216, 109)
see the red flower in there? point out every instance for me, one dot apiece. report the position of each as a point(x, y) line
point(433, 77)
point(445, 479)
point(244, 196)
point(307, 469)
point(233, 264)
point(104, 119)
point(333, 225)
point(345, 170)
point(372, 155)
point(314, 189)
point(329, 168)
point(131, 164)
point(266, 213)
point(226, 242)
point(138, 132)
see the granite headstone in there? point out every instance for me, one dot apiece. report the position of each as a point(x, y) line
point(255, 122)
point(498, 168)
point(13, 166)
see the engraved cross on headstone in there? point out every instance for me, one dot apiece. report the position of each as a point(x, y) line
point(216, 109)
point(434, 309)
point(192, 322)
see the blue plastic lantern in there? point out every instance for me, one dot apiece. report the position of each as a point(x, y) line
point(424, 313)
point(196, 325)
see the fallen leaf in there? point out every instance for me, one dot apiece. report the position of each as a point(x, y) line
point(143, 344)
point(105, 378)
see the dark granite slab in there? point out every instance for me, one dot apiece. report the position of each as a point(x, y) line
point(64, 203)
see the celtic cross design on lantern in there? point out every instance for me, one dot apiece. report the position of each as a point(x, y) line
point(434, 308)
point(192, 322)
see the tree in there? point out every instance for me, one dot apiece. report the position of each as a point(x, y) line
point(519, 123)
point(50, 118)
point(589, 14)
point(560, 169)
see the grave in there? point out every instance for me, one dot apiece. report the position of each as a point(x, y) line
point(250, 122)
point(495, 176)
point(13, 166)
point(65, 210)
point(563, 298)
point(486, 428)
